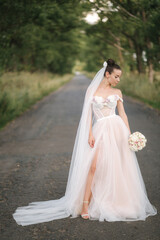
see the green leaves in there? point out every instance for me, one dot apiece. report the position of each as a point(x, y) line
point(38, 35)
point(130, 30)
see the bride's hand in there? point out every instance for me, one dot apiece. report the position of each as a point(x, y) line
point(91, 140)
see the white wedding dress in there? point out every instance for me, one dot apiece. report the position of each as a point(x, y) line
point(118, 189)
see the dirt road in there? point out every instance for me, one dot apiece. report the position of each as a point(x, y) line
point(35, 153)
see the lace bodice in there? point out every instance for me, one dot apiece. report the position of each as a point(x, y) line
point(103, 107)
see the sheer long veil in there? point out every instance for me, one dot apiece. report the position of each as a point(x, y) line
point(71, 203)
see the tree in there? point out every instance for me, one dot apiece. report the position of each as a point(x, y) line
point(128, 26)
point(39, 35)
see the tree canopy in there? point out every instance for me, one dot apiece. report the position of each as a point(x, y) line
point(39, 34)
point(51, 34)
point(130, 30)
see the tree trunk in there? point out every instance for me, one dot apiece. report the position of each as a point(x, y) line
point(140, 66)
point(149, 57)
point(118, 46)
point(151, 71)
point(120, 51)
point(150, 64)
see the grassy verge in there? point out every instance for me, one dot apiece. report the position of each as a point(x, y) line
point(18, 91)
point(138, 86)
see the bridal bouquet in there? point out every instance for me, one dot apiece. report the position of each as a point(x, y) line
point(137, 141)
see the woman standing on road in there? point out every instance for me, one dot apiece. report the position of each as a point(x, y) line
point(105, 181)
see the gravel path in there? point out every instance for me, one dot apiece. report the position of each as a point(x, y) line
point(35, 153)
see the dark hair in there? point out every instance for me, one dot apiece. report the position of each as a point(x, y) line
point(111, 65)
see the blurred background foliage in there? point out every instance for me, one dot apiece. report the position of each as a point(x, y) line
point(53, 38)
point(37, 35)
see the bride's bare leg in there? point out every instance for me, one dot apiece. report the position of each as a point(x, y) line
point(88, 193)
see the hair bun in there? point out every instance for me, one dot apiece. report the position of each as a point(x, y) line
point(110, 62)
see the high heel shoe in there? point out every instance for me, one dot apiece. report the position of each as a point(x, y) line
point(85, 214)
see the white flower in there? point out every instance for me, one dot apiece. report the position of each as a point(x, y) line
point(111, 98)
point(134, 138)
point(137, 141)
point(98, 99)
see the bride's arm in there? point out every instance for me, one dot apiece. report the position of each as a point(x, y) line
point(122, 112)
point(90, 129)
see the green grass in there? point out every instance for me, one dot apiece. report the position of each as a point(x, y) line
point(19, 91)
point(138, 86)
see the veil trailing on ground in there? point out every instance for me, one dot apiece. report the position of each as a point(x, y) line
point(71, 202)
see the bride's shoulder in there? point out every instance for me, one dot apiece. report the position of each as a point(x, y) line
point(119, 92)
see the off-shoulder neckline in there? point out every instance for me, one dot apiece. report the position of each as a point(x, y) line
point(108, 96)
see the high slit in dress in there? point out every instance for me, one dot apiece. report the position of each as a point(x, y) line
point(118, 189)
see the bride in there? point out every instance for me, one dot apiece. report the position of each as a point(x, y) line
point(104, 181)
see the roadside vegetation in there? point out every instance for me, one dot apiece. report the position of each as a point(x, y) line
point(21, 90)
